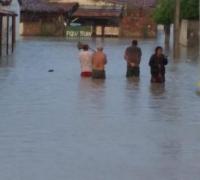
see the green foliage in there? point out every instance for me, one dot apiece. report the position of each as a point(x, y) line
point(190, 9)
point(164, 11)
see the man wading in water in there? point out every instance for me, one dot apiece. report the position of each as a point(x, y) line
point(133, 56)
point(85, 57)
point(99, 61)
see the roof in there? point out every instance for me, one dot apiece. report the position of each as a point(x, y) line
point(95, 13)
point(144, 3)
point(136, 3)
point(117, 1)
point(47, 7)
point(7, 13)
point(5, 2)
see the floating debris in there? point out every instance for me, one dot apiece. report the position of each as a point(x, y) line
point(188, 60)
point(50, 70)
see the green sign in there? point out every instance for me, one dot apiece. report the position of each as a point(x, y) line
point(79, 31)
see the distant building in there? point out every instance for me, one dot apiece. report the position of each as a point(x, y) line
point(190, 33)
point(7, 28)
point(131, 18)
point(127, 18)
point(138, 21)
point(14, 6)
point(103, 22)
point(45, 18)
point(102, 18)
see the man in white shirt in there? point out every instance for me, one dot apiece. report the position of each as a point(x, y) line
point(85, 57)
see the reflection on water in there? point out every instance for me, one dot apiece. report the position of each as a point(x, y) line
point(61, 126)
point(198, 88)
point(193, 53)
point(7, 62)
point(157, 89)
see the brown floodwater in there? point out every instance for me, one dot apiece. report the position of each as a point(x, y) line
point(58, 126)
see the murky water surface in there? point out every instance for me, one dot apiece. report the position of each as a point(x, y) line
point(57, 126)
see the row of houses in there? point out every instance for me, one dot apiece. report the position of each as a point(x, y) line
point(91, 17)
point(102, 17)
point(21, 17)
point(126, 18)
point(74, 18)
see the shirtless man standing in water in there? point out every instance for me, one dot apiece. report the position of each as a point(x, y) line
point(99, 61)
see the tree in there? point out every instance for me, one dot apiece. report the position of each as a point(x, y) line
point(164, 14)
point(190, 9)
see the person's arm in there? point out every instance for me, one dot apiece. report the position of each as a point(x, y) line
point(140, 52)
point(93, 59)
point(165, 60)
point(126, 55)
point(151, 61)
point(105, 59)
point(139, 55)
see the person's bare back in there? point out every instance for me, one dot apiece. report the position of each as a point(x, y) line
point(99, 60)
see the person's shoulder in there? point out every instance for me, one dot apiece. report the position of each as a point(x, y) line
point(153, 56)
point(89, 53)
point(129, 47)
point(94, 54)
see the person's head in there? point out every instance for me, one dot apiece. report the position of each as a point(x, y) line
point(158, 50)
point(99, 48)
point(134, 43)
point(85, 47)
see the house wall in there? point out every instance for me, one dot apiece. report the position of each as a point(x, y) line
point(31, 28)
point(189, 35)
point(86, 31)
point(139, 24)
point(52, 26)
point(82, 2)
point(183, 33)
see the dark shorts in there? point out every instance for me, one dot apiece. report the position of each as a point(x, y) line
point(133, 72)
point(98, 74)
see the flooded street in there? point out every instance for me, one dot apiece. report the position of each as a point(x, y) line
point(57, 126)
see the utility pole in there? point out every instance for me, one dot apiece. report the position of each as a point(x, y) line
point(176, 29)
